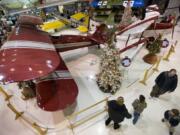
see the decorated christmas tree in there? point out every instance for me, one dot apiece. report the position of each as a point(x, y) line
point(127, 16)
point(109, 77)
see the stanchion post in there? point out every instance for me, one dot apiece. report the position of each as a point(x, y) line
point(35, 126)
point(8, 97)
point(18, 114)
point(169, 54)
point(41, 132)
point(71, 127)
point(143, 81)
point(106, 107)
point(157, 65)
point(173, 49)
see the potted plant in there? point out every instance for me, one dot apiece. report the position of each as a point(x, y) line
point(154, 47)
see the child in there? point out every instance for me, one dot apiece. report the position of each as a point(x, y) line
point(138, 105)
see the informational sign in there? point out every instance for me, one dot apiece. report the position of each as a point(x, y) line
point(95, 3)
point(126, 62)
point(138, 3)
point(165, 43)
point(102, 3)
point(125, 3)
point(133, 3)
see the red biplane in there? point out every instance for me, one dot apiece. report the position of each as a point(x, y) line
point(31, 54)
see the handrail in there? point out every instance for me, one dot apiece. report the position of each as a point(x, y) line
point(77, 113)
point(80, 122)
point(33, 124)
point(7, 96)
point(86, 119)
point(20, 114)
point(44, 130)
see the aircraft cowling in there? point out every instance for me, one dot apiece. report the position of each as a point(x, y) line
point(28, 54)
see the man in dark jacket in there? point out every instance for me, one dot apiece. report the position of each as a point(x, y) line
point(165, 82)
point(172, 119)
point(117, 112)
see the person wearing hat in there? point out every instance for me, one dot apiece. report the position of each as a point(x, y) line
point(117, 111)
point(172, 119)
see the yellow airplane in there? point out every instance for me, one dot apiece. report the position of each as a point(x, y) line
point(81, 20)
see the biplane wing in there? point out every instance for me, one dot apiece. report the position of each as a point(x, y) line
point(28, 54)
point(57, 90)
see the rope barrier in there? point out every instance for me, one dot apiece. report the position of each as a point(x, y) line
point(7, 96)
point(156, 65)
point(20, 114)
point(77, 113)
point(84, 120)
point(42, 130)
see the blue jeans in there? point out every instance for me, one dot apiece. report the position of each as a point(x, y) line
point(136, 117)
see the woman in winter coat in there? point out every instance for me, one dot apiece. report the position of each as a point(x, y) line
point(117, 112)
point(165, 82)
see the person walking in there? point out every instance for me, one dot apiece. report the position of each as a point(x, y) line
point(165, 82)
point(172, 119)
point(117, 111)
point(138, 105)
